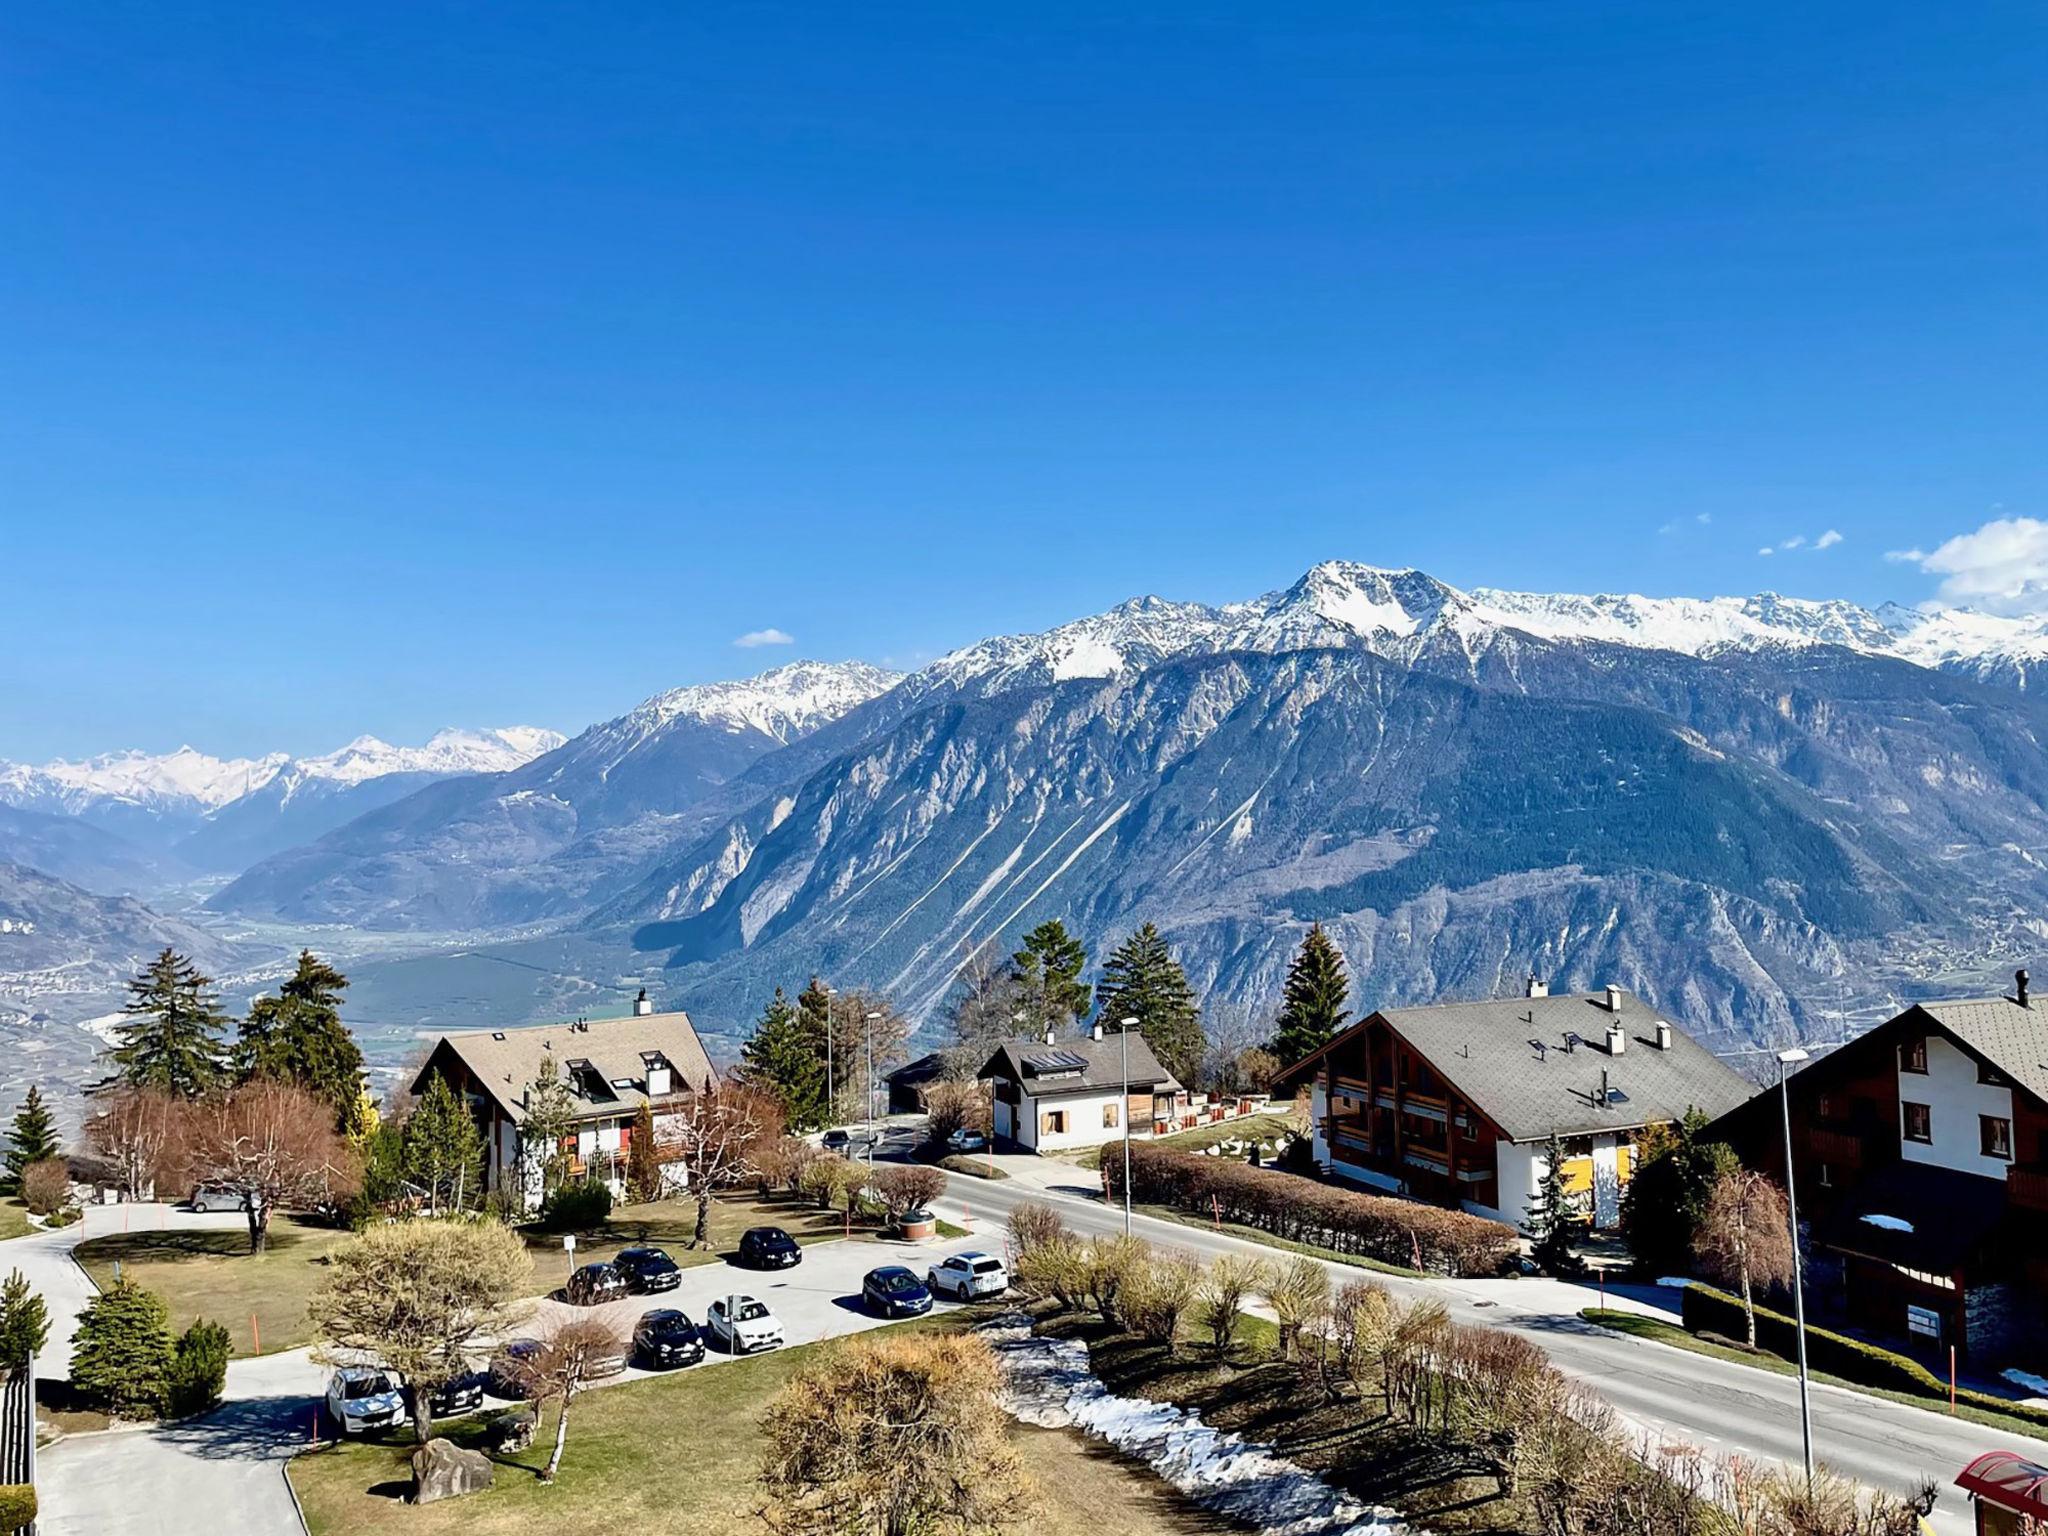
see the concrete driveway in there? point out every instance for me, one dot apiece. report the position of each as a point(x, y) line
point(224, 1473)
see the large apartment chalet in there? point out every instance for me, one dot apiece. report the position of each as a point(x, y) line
point(610, 1067)
point(1055, 1093)
point(1921, 1155)
point(1457, 1103)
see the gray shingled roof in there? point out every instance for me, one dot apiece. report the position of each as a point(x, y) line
point(1098, 1064)
point(505, 1061)
point(1484, 1050)
point(2013, 1039)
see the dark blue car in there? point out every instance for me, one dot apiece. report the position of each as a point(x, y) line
point(893, 1291)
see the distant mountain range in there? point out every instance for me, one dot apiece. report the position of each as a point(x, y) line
point(1758, 812)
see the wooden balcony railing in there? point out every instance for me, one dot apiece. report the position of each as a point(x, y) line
point(1838, 1149)
point(2027, 1187)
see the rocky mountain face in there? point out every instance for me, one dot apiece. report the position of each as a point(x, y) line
point(537, 842)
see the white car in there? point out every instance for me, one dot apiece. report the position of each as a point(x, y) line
point(968, 1276)
point(742, 1325)
point(966, 1140)
point(362, 1398)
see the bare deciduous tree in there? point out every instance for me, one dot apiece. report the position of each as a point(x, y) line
point(1745, 1238)
point(572, 1354)
point(273, 1143)
point(130, 1127)
point(714, 1133)
point(894, 1436)
point(907, 1187)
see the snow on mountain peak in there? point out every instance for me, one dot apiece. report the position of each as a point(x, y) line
point(449, 751)
point(784, 702)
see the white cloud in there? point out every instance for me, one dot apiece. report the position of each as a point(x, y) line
point(2002, 567)
point(1794, 542)
point(1827, 540)
point(1905, 556)
point(1767, 550)
point(1704, 518)
point(754, 637)
point(1669, 528)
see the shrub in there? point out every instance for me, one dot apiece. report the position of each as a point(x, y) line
point(1115, 1263)
point(1379, 1227)
point(907, 1187)
point(972, 1164)
point(199, 1368)
point(1299, 1294)
point(1058, 1267)
point(46, 1186)
point(577, 1207)
point(121, 1355)
point(1032, 1224)
point(780, 1164)
point(17, 1505)
point(1154, 1302)
point(1706, 1310)
point(952, 1106)
point(24, 1323)
point(1226, 1286)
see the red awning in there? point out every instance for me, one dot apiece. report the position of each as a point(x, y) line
point(2009, 1481)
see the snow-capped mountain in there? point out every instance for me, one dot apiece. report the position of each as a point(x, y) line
point(537, 841)
point(186, 781)
point(446, 752)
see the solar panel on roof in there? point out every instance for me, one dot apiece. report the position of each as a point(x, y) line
point(1040, 1062)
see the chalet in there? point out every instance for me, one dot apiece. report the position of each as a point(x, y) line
point(610, 1066)
point(1456, 1104)
point(1920, 1151)
point(909, 1083)
point(1053, 1093)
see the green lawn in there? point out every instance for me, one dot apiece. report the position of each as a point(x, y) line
point(1268, 1127)
point(676, 1456)
point(1658, 1331)
point(211, 1273)
point(13, 1220)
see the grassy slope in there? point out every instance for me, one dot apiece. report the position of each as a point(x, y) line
point(676, 1455)
point(13, 1220)
point(1267, 1127)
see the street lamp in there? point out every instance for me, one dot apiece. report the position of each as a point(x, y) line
point(869, 1025)
point(1123, 1035)
point(1793, 1058)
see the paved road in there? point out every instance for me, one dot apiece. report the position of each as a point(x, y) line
point(224, 1473)
point(1696, 1399)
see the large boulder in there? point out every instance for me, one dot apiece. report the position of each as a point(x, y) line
point(513, 1429)
point(441, 1469)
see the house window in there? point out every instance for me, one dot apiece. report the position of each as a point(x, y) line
point(1109, 1116)
point(1990, 1076)
point(1919, 1122)
point(1913, 1055)
point(1995, 1137)
point(1054, 1122)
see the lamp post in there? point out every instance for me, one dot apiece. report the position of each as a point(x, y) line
point(1123, 1036)
point(1786, 1059)
point(868, 1025)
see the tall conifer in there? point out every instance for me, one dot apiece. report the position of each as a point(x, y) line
point(1141, 979)
point(1312, 1009)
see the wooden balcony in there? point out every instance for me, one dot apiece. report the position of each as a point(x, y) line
point(1839, 1149)
point(2027, 1187)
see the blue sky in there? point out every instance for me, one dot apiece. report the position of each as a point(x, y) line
point(379, 367)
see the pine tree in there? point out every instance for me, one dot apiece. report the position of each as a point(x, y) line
point(121, 1354)
point(1550, 1218)
point(1048, 977)
point(24, 1322)
point(444, 1151)
point(643, 1160)
point(33, 1138)
point(550, 1116)
point(173, 1038)
point(1142, 980)
point(298, 1036)
point(786, 1056)
point(1313, 1001)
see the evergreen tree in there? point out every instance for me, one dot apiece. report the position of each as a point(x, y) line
point(643, 1160)
point(444, 1151)
point(121, 1354)
point(1666, 1199)
point(298, 1036)
point(550, 1117)
point(1550, 1218)
point(173, 1038)
point(1312, 1009)
point(24, 1322)
point(1142, 980)
point(786, 1056)
point(1047, 971)
point(33, 1139)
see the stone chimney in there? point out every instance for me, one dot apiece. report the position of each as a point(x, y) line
point(1537, 988)
point(2019, 989)
point(1663, 1035)
point(642, 1007)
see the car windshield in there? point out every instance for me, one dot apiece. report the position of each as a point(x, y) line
point(895, 1280)
point(751, 1311)
point(987, 1266)
point(670, 1323)
point(653, 1258)
point(774, 1237)
point(365, 1386)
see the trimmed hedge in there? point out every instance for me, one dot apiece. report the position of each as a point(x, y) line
point(17, 1505)
point(971, 1165)
point(1706, 1310)
point(1404, 1233)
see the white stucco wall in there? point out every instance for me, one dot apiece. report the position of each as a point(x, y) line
point(1318, 1108)
point(1606, 1183)
point(1517, 1171)
point(1084, 1120)
point(1955, 1100)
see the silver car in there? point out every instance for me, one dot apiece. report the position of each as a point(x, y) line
point(363, 1398)
point(967, 1277)
point(212, 1197)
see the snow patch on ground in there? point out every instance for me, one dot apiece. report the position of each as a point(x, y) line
point(1050, 1384)
point(1890, 1223)
point(1680, 1281)
point(2027, 1381)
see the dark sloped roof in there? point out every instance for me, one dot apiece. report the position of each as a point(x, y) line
point(922, 1070)
point(1486, 1051)
point(1078, 1064)
point(2013, 1039)
point(1947, 1216)
point(506, 1061)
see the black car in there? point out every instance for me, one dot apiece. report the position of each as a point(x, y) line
point(836, 1140)
point(666, 1338)
point(593, 1285)
point(465, 1394)
point(893, 1291)
point(507, 1365)
point(647, 1269)
point(769, 1248)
